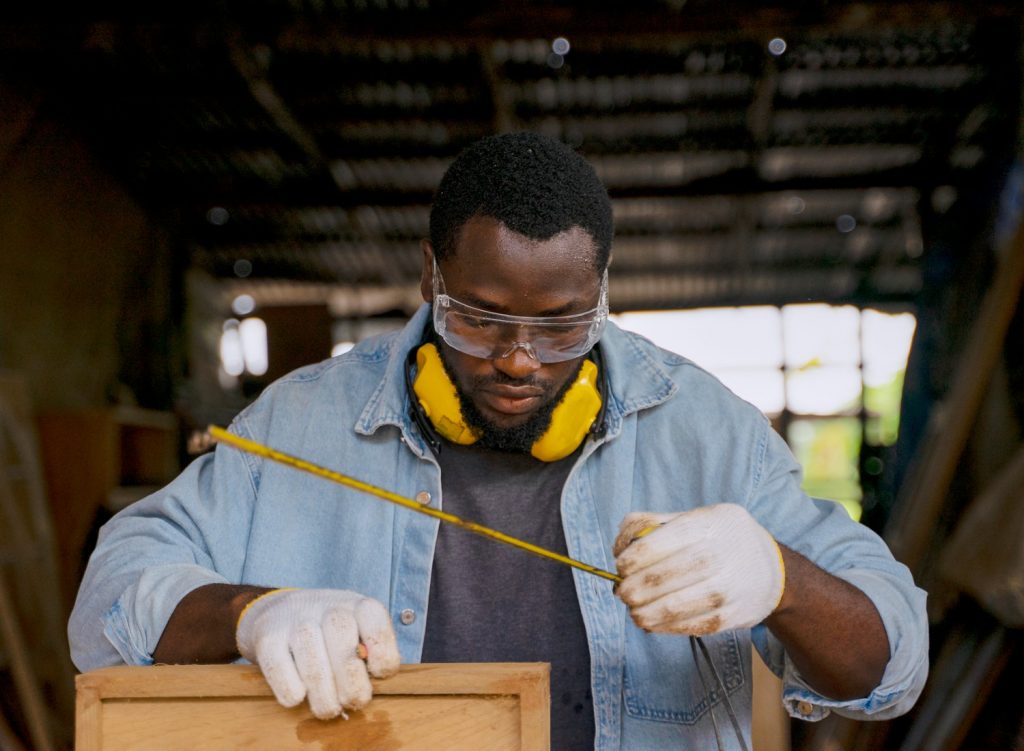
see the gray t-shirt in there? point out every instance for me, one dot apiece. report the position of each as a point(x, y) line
point(494, 603)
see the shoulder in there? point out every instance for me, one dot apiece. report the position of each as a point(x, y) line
point(336, 385)
point(365, 362)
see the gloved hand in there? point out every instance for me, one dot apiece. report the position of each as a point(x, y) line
point(306, 642)
point(699, 572)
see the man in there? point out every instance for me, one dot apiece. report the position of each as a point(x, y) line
point(511, 400)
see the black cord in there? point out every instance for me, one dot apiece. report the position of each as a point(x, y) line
point(427, 430)
point(695, 642)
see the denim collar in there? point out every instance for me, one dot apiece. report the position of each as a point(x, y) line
point(637, 379)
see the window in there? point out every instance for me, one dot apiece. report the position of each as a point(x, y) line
point(829, 377)
point(243, 348)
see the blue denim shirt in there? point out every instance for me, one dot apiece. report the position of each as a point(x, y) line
point(676, 439)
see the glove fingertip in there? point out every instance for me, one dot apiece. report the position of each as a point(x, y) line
point(325, 711)
point(383, 660)
point(384, 670)
point(289, 693)
point(353, 683)
point(360, 698)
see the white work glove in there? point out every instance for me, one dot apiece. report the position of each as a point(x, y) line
point(307, 642)
point(698, 572)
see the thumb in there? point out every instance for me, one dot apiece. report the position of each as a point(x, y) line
point(634, 525)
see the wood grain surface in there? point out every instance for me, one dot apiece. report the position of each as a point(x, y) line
point(481, 707)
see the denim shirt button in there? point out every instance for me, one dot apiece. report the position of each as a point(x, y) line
point(423, 498)
point(803, 707)
point(407, 616)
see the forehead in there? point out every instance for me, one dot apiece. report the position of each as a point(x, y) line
point(494, 264)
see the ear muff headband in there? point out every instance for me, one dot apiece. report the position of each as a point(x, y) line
point(570, 420)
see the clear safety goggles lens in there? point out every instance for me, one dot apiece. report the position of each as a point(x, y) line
point(488, 335)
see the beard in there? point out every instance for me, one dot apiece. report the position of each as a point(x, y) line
point(515, 438)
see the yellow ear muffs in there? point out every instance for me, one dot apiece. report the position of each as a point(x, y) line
point(438, 398)
point(570, 420)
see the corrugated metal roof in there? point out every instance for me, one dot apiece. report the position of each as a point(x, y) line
point(306, 138)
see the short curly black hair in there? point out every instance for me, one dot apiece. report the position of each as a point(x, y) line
point(534, 185)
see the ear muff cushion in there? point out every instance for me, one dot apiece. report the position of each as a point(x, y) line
point(438, 398)
point(572, 418)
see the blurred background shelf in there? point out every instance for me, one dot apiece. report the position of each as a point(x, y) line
point(96, 462)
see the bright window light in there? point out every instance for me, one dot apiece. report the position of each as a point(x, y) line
point(243, 347)
point(886, 342)
point(828, 450)
point(824, 390)
point(821, 335)
point(231, 358)
point(341, 348)
point(713, 337)
point(740, 346)
point(254, 345)
point(835, 371)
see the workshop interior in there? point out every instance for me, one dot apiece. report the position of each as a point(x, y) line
point(821, 203)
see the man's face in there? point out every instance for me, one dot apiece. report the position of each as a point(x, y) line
point(509, 399)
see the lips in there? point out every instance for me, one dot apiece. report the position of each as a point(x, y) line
point(512, 400)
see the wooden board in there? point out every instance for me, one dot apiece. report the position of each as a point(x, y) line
point(769, 726)
point(478, 707)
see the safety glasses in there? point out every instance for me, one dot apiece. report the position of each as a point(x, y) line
point(493, 336)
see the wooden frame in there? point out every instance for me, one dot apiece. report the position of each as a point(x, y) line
point(476, 706)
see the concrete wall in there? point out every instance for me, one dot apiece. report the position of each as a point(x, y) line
point(85, 276)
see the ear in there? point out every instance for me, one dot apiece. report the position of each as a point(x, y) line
point(427, 272)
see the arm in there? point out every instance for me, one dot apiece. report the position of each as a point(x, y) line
point(153, 592)
point(830, 629)
point(847, 633)
point(202, 627)
point(154, 553)
point(306, 641)
point(162, 584)
point(716, 568)
point(851, 570)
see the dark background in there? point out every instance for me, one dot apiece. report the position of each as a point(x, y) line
point(159, 159)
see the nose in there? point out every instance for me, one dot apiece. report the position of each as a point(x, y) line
point(519, 361)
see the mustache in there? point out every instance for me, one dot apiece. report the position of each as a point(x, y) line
point(503, 379)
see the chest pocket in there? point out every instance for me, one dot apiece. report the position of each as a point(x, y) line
point(661, 679)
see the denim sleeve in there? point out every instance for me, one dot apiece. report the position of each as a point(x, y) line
point(150, 555)
point(823, 532)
